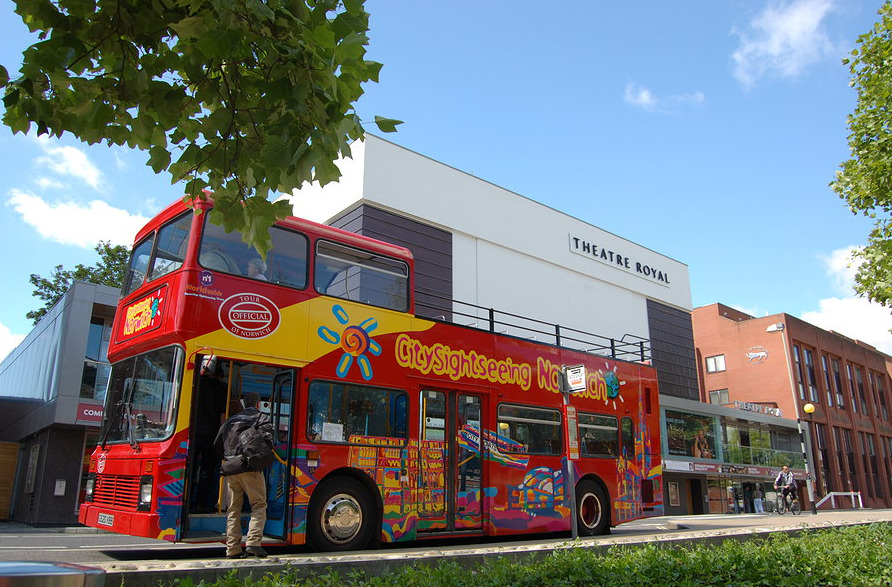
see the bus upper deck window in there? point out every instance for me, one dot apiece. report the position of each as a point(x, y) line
point(170, 250)
point(139, 265)
point(285, 263)
point(361, 276)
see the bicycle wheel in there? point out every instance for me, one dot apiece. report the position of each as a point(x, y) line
point(795, 507)
point(779, 505)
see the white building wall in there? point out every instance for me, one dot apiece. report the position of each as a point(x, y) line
point(509, 252)
point(49, 363)
point(29, 371)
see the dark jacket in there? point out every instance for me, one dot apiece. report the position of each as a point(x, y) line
point(226, 443)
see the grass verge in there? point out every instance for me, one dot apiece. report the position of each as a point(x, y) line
point(849, 556)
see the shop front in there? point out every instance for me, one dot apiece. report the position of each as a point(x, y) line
point(716, 458)
point(714, 488)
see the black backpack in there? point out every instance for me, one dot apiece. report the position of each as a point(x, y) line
point(255, 447)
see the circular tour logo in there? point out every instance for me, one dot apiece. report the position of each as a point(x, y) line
point(249, 316)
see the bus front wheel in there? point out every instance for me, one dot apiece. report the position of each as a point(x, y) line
point(592, 513)
point(340, 517)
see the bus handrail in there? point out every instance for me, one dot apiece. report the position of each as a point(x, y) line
point(434, 306)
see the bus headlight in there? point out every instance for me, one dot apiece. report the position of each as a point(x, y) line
point(90, 486)
point(145, 493)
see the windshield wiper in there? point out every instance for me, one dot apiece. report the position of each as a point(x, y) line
point(129, 414)
point(108, 423)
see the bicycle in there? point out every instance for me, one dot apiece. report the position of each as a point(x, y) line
point(791, 504)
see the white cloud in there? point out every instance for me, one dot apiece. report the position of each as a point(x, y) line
point(783, 40)
point(8, 340)
point(640, 97)
point(841, 268)
point(120, 163)
point(847, 314)
point(70, 162)
point(71, 223)
point(48, 183)
point(643, 98)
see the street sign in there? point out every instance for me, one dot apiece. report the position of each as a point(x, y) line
point(575, 378)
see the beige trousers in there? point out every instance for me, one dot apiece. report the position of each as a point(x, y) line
point(253, 485)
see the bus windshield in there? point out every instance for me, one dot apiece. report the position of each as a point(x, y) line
point(142, 397)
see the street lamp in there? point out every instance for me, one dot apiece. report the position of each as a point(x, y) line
point(808, 408)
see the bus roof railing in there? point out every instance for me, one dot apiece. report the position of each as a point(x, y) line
point(444, 309)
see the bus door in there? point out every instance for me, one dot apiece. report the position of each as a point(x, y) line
point(207, 499)
point(277, 476)
point(451, 474)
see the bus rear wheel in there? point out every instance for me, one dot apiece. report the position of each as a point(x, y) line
point(340, 516)
point(592, 514)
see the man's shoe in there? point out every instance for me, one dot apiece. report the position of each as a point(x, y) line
point(256, 551)
point(237, 555)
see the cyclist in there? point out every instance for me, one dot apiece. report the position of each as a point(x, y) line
point(786, 484)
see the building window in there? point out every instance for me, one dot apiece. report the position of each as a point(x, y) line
point(715, 364)
point(874, 464)
point(841, 465)
point(810, 375)
point(94, 379)
point(719, 397)
point(859, 381)
point(797, 367)
point(852, 389)
point(886, 444)
point(828, 380)
point(823, 465)
point(850, 459)
point(880, 392)
point(837, 380)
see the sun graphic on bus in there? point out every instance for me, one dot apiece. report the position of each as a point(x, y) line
point(354, 340)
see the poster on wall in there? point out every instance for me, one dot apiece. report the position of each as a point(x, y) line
point(674, 499)
point(690, 435)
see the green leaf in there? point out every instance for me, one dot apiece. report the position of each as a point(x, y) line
point(159, 159)
point(242, 97)
point(190, 27)
point(387, 124)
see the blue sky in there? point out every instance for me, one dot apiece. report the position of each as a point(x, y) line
point(707, 131)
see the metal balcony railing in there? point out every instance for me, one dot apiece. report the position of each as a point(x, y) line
point(440, 308)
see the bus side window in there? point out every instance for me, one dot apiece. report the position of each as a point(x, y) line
point(600, 435)
point(536, 430)
point(317, 411)
point(338, 412)
point(287, 262)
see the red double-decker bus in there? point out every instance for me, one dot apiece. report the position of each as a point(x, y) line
point(391, 426)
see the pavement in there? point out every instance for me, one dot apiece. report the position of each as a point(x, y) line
point(669, 531)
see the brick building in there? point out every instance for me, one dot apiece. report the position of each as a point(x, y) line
point(778, 364)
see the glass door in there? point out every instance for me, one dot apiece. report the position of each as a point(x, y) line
point(451, 465)
point(280, 404)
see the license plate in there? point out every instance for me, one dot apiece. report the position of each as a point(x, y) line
point(106, 519)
